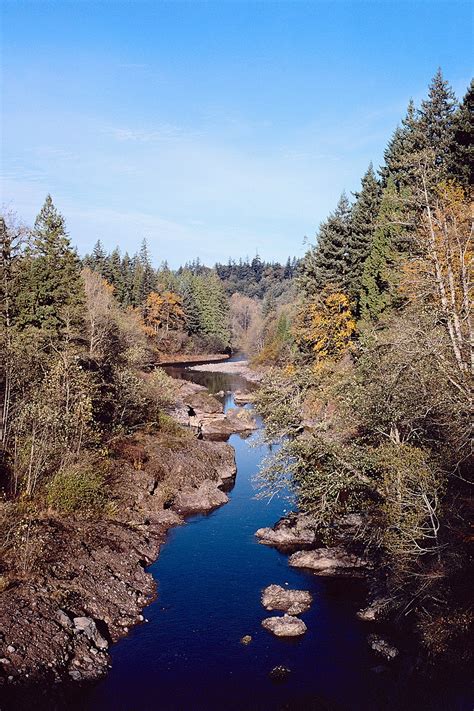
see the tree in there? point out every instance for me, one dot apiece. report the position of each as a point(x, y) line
point(324, 326)
point(461, 149)
point(162, 312)
point(52, 293)
point(327, 263)
point(99, 306)
point(435, 123)
point(378, 289)
point(363, 221)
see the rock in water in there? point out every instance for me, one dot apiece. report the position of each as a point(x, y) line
point(382, 647)
point(286, 626)
point(279, 673)
point(246, 639)
point(293, 602)
point(329, 561)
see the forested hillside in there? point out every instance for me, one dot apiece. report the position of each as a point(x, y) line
point(373, 396)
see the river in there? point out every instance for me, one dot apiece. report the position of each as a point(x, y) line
point(188, 655)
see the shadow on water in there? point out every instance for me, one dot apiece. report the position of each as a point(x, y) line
point(188, 655)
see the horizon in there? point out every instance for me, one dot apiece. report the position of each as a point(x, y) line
point(212, 130)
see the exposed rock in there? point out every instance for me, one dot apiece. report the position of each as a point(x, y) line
point(206, 497)
point(382, 647)
point(329, 562)
point(63, 619)
point(95, 568)
point(293, 602)
point(204, 404)
point(239, 367)
point(236, 420)
point(88, 626)
point(374, 611)
point(293, 531)
point(279, 673)
point(243, 398)
point(286, 626)
point(246, 639)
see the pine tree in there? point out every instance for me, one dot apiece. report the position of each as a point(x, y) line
point(191, 309)
point(363, 220)
point(326, 263)
point(53, 294)
point(461, 148)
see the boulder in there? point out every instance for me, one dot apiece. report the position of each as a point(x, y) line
point(235, 421)
point(203, 403)
point(293, 531)
point(241, 398)
point(279, 673)
point(382, 647)
point(206, 497)
point(293, 602)
point(286, 626)
point(329, 562)
point(374, 611)
point(246, 639)
point(88, 626)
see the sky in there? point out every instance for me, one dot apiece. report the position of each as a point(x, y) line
point(212, 129)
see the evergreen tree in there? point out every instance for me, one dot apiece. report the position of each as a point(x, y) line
point(98, 258)
point(400, 152)
point(53, 293)
point(363, 220)
point(435, 122)
point(327, 262)
point(191, 309)
point(147, 281)
point(378, 289)
point(116, 275)
point(461, 148)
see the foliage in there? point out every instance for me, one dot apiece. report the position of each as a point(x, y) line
point(78, 487)
point(324, 326)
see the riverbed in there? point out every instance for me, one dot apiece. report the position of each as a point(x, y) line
point(187, 656)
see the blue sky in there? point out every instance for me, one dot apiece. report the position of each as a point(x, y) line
point(213, 129)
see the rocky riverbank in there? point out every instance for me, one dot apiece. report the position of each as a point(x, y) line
point(239, 367)
point(71, 586)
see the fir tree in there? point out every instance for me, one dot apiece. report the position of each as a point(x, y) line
point(435, 121)
point(378, 291)
point(461, 148)
point(363, 220)
point(54, 292)
point(326, 263)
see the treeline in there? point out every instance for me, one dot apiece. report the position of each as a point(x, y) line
point(186, 310)
point(373, 396)
point(72, 371)
point(257, 278)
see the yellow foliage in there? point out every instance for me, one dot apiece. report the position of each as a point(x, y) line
point(326, 325)
point(162, 311)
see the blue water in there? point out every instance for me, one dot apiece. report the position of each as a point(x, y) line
point(210, 573)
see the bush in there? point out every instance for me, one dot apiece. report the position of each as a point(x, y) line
point(78, 487)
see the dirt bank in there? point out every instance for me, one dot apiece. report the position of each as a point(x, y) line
point(74, 585)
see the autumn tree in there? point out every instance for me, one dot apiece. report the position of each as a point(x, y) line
point(324, 326)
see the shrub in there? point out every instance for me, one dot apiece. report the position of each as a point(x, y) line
point(78, 487)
